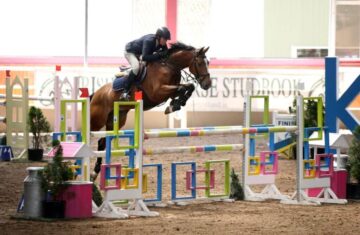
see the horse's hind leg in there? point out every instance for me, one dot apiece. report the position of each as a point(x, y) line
point(102, 144)
point(109, 127)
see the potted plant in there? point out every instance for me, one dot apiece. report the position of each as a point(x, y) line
point(37, 124)
point(353, 166)
point(53, 179)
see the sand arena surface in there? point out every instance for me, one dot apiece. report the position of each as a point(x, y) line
point(240, 217)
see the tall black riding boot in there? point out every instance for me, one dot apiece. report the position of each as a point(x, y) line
point(129, 81)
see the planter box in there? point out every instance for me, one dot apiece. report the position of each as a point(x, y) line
point(78, 197)
point(338, 185)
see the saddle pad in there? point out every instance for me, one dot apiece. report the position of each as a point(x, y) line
point(121, 82)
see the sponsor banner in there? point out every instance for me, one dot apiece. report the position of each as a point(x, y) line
point(229, 86)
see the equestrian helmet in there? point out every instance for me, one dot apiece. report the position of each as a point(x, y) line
point(163, 32)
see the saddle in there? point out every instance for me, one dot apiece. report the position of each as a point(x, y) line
point(121, 82)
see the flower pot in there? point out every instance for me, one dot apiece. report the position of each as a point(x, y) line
point(53, 209)
point(35, 154)
point(353, 191)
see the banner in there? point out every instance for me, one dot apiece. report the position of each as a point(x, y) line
point(229, 86)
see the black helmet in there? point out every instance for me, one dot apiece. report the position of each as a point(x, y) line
point(163, 32)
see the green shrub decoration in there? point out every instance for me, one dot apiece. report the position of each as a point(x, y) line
point(37, 124)
point(236, 190)
point(354, 156)
point(56, 173)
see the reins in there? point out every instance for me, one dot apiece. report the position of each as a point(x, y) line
point(193, 77)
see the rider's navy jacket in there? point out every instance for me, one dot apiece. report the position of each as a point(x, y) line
point(145, 47)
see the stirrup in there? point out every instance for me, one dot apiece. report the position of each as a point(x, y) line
point(125, 96)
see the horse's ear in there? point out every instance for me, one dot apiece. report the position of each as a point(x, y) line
point(206, 49)
point(200, 51)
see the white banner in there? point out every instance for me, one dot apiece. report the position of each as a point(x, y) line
point(230, 87)
point(227, 92)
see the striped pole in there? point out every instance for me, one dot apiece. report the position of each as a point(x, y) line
point(205, 132)
point(180, 149)
point(225, 128)
point(241, 130)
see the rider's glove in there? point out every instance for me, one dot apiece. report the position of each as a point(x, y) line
point(162, 54)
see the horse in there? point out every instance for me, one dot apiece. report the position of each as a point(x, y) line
point(162, 82)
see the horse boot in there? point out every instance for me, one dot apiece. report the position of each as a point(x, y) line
point(175, 105)
point(129, 81)
point(187, 94)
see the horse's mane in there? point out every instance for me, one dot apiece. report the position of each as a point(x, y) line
point(179, 46)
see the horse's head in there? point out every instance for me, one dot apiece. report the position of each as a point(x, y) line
point(200, 68)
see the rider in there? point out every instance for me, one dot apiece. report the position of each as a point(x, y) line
point(149, 48)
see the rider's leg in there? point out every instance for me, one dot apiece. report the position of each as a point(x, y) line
point(135, 67)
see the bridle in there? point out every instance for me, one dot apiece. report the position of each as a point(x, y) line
point(197, 77)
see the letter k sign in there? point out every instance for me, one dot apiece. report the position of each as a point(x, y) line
point(336, 108)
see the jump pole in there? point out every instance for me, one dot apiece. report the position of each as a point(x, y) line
point(202, 132)
point(179, 149)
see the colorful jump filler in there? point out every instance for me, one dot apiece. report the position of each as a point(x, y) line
point(261, 169)
point(79, 149)
point(313, 172)
point(192, 184)
point(128, 180)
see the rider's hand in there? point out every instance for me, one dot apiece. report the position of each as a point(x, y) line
point(162, 54)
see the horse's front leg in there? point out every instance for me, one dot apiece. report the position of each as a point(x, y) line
point(189, 89)
point(175, 92)
point(182, 96)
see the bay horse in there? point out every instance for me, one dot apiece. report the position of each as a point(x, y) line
point(162, 82)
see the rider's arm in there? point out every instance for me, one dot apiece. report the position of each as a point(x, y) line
point(147, 52)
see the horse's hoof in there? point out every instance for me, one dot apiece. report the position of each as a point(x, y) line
point(168, 110)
